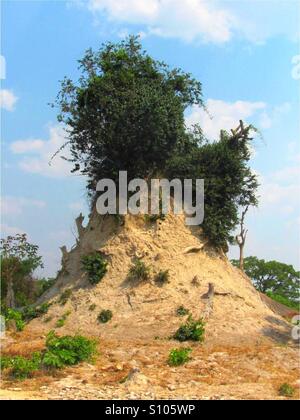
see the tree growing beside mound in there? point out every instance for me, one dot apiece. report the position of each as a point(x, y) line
point(127, 112)
point(19, 259)
point(279, 281)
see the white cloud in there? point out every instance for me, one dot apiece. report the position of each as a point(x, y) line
point(203, 20)
point(14, 206)
point(38, 153)
point(189, 20)
point(77, 206)
point(6, 230)
point(7, 99)
point(26, 146)
point(226, 115)
point(222, 115)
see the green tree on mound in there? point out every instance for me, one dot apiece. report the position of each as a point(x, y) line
point(126, 112)
point(278, 280)
point(18, 260)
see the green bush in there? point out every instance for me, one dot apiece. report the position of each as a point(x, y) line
point(59, 352)
point(67, 350)
point(21, 368)
point(283, 300)
point(191, 331)
point(96, 267)
point(32, 312)
point(178, 357)
point(12, 314)
point(105, 316)
point(64, 297)
point(162, 277)
point(139, 271)
point(286, 390)
point(182, 311)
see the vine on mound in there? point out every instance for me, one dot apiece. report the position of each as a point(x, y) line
point(96, 267)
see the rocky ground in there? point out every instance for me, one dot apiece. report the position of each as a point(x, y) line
point(213, 373)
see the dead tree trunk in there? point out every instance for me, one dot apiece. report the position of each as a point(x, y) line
point(209, 296)
point(10, 295)
point(241, 239)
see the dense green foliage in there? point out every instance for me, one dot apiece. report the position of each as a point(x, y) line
point(67, 350)
point(127, 112)
point(14, 315)
point(191, 331)
point(278, 280)
point(228, 181)
point(139, 271)
point(18, 259)
point(96, 267)
point(178, 357)
point(20, 367)
point(32, 312)
point(59, 352)
point(105, 316)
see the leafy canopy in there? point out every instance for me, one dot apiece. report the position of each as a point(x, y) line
point(19, 259)
point(127, 112)
point(273, 277)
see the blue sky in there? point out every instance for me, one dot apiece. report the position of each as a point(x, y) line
point(245, 53)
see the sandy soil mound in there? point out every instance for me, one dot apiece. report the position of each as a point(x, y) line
point(147, 311)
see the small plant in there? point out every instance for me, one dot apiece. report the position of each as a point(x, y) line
point(162, 277)
point(67, 350)
point(191, 331)
point(182, 311)
point(32, 312)
point(61, 321)
point(139, 271)
point(59, 352)
point(92, 307)
point(14, 315)
point(286, 390)
point(178, 357)
point(96, 267)
point(21, 368)
point(105, 316)
point(64, 297)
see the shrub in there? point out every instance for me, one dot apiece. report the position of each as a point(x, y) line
point(59, 352)
point(162, 277)
point(21, 368)
point(182, 311)
point(178, 357)
point(31, 312)
point(92, 307)
point(67, 350)
point(64, 297)
point(61, 321)
point(96, 267)
point(139, 271)
point(191, 331)
point(12, 314)
point(286, 390)
point(105, 316)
